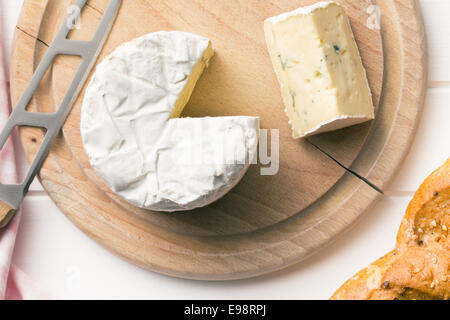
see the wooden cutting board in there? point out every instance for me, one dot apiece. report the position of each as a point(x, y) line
point(267, 222)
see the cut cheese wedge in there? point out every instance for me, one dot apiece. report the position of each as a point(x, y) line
point(135, 140)
point(323, 82)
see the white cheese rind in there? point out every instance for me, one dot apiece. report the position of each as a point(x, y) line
point(299, 11)
point(323, 82)
point(143, 155)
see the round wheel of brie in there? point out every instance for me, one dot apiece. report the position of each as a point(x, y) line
point(135, 140)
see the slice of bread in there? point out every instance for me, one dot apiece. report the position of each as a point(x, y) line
point(418, 268)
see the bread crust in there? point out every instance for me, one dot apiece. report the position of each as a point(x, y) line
point(418, 268)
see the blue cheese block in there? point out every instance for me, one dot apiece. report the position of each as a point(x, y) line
point(323, 81)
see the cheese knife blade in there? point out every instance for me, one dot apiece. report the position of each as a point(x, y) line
point(11, 196)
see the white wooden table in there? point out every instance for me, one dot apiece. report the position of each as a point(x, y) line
point(70, 265)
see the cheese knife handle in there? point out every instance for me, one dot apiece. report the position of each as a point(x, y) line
point(6, 214)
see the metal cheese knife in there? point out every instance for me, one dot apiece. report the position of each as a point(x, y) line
point(11, 196)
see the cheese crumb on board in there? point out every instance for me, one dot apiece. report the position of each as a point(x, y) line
point(323, 81)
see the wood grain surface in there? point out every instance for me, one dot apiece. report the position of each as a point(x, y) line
point(266, 222)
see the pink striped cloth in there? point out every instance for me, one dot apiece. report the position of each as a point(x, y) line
point(14, 284)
